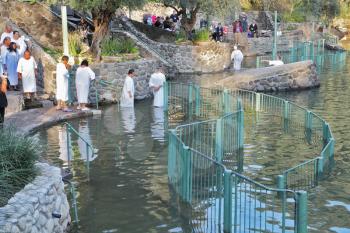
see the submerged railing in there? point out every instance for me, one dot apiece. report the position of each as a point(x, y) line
point(89, 148)
point(204, 162)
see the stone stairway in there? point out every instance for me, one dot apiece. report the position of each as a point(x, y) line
point(125, 27)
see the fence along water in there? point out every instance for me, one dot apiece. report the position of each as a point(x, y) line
point(204, 163)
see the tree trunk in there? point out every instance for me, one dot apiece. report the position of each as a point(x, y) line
point(188, 23)
point(101, 19)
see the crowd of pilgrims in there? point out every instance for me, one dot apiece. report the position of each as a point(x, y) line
point(17, 63)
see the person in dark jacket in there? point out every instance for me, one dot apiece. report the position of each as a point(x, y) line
point(253, 28)
point(3, 99)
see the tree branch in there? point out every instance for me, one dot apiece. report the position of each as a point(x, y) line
point(174, 8)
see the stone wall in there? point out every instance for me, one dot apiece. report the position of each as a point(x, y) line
point(35, 20)
point(31, 210)
point(116, 73)
point(207, 58)
point(294, 76)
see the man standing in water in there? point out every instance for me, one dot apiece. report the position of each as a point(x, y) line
point(156, 83)
point(237, 57)
point(127, 99)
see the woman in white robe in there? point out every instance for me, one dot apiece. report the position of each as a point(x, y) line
point(27, 70)
point(157, 82)
point(11, 63)
point(82, 81)
point(237, 57)
point(62, 84)
point(20, 42)
point(127, 98)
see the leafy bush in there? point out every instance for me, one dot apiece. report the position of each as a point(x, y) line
point(181, 36)
point(112, 47)
point(75, 44)
point(296, 16)
point(202, 35)
point(18, 155)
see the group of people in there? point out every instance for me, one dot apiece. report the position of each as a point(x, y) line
point(156, 83)
point(238, 27)
point(169, 23)
point(16, 63)
point(84, 75)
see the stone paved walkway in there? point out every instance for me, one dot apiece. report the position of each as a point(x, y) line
point(29, 121)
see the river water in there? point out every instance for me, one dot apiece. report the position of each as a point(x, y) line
point(126, 188)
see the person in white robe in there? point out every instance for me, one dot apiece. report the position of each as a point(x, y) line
point(83, 77)
point(27, 70)
point(127, 98)
point(7, 33)
point(4, 49)
point(156, 83)
point(20, 42)
point(62, 84)
point(237, 58)
point(11, 63)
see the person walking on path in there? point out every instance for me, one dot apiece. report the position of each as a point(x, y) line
point(82, 81)
point(237, 57)
point(27, 71)
point(11, 64)
point(62, 84)
point(156, 83)
point(127, 99)
point(3, 99)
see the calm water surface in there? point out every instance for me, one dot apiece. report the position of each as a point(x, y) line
point(126, 188)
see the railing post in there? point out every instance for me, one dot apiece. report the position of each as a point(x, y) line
point(198, 100)
point(281, 182)
point(97, 97)
point(301, 210)
point(331, 152)
point(166, 97)
point(319, 168)
point(257, 62)
point(171, 155)
point(190, 100)
point(218, 141)
point(257, 102)
point(241, 129)
point(325, 133)
point(228, 201)
point(187, 175)
point(226, 102)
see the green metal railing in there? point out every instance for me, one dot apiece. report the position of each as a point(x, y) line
point(201, 153)
point(90, 150)
point(302, 51)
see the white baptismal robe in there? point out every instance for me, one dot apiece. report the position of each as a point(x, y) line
point(62, 79)
point(237, 56)
point(82, 81)
point(21, 44)
point(126, 100)
point(158, 79)
point(27, 69)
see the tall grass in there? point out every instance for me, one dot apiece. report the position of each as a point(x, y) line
point(112, 46)
point(18, 155)
point(202, 35)
point(75, 44)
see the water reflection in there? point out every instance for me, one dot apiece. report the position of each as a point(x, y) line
point(157, 126)
point(86, 154)
point(128, 119)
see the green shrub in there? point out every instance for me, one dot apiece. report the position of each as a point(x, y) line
point(18, 155)
point(296, 16)
point(181, 36)
point(112, 47)
point(75, 44)
point(202, 35)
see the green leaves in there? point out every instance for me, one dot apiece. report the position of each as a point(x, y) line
point(113, 47)
point(18, 155)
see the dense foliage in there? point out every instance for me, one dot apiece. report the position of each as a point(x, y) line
point(112, 47)
point(18, 155)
